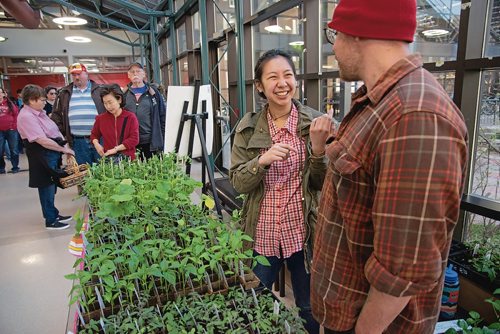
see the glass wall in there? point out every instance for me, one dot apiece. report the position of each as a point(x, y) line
point(196, 28)
point(181, 39)
point(486, 173)
point(493, 37)
point(436, 37)
point(258, 5)
point(284, 31)
point(183, 66)
point(447, 80)
point(224, 14)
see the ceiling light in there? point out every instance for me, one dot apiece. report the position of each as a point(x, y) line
point(85, 60)
point(3, 39)
point(78, 39)
point(70, 21)
point(75, 12)
point(296, 43)
point(274, 28)
point(435, 32)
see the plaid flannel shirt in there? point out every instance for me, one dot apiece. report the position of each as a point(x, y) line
point(390, 201)
point(281, 220)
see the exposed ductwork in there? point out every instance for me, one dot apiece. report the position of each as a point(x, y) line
point(22, 12)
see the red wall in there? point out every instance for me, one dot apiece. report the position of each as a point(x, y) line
point(57, 80)
point(19, 81)
point(108, 78)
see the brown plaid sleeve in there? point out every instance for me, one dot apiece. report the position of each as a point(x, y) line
point(417, 174)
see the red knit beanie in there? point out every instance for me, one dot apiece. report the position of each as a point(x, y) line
point(376, 19)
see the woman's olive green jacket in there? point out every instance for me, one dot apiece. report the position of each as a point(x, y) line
point(247, 177)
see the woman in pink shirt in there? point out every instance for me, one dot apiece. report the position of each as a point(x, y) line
point(44, 145)
point(118, 127)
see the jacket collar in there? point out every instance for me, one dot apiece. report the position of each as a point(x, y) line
point(258, 121)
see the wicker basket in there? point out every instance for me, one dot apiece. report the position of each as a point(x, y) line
point(76, 173)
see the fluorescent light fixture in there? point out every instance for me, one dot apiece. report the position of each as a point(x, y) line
point(296, 43)
point(327, 66)
point(435, 32)
point(69, 21)
point(274, 28)
point(3, 39)
point(78, 39)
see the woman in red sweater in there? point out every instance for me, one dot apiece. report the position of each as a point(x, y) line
point(110, 125)
point(8, 132)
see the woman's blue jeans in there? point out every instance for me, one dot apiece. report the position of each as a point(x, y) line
point(300, 284)
point(47, 194)
point(10, 137)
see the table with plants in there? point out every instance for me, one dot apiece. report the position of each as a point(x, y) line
point(153, 262)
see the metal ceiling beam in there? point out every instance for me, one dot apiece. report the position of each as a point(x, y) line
point(145, 11)
point(99, 16)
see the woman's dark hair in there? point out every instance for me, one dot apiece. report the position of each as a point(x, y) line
point(10, 104)
point(268, 55)
point(48, 89)
point(114, 90)
point(32, 92)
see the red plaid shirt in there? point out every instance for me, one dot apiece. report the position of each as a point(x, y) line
point(390, 201)
point(281, 220)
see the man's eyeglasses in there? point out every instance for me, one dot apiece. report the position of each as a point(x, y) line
point(330, 35)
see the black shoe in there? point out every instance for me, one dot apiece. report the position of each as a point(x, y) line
point(64, 219)
point(2, 171)
point(56, 226)
point(15, 170)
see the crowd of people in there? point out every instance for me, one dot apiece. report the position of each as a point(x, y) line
point(362, 213)
point(84, 119)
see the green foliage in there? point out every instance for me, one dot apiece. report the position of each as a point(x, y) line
point(473, 324)
point(486, 257)
point(146, 240)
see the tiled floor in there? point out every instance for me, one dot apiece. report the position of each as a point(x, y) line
point(33, 260)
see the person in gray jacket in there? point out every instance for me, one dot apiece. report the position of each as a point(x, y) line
point(146, 102)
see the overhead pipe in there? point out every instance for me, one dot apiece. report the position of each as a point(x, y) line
point(22, 12)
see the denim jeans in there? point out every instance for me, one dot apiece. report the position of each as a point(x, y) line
point(85, 152)
point(11, 137)
point(300, 284)
point(47, 194)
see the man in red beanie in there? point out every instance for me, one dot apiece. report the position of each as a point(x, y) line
point(392, 192)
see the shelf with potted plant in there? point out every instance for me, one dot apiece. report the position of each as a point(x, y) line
point(148, 245)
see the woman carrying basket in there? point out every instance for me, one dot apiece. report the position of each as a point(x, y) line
point(44, 145)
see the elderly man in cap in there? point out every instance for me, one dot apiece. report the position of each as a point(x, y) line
point(75, 110)
point(148, 105)
point(395, 177)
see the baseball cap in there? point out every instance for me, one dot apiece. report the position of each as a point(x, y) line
point(381, 19)
point(77, 68)
point(136, 64)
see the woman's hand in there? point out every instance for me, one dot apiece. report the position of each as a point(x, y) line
point(322, 128)
point(112, 151)
point(277, 152)
point(99, 148)
point(68, 151)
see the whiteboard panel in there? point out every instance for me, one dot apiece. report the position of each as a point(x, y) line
point(175, 101)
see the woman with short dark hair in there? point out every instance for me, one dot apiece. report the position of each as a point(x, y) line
point(118, 127)
point(44, 145)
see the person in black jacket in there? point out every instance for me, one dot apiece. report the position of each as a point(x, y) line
point(146, 102)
